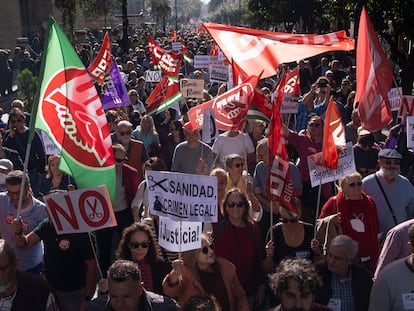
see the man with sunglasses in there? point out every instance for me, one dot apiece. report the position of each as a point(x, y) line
point(17, 138)
point(136, 154)
point(393, 194)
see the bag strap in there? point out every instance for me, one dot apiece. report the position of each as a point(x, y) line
point(386, 199)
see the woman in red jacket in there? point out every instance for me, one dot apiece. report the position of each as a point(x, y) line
point(202, 272)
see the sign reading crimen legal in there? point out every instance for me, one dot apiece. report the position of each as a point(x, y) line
point(83, 210)
point(182, 196)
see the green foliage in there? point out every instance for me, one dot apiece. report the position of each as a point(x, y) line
point(68, 8)
point(27, 87)
point(97, 8)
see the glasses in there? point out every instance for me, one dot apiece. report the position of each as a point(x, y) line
point(120, 160)
point(237, 165)
point(232, 204)
point(16, 121)
point(204, 250)
point(135, 245)
point(125, 133)
point(314, 124)
point(354, 184)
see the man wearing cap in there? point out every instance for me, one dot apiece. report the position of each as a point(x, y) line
point(393, 194)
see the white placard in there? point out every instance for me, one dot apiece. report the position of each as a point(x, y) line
point(83, 210)
point(193, 88)
point(289, 104)
point(394, 96)
point(50, 147)
point(410, 131)
point(179, 236)
point(201, 61)
point(346, 165)
point(219, 73)
point(176, 46)
point(181, 196)
point(153, 76)
point(210, 131)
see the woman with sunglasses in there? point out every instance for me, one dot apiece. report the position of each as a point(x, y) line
point(353, 213)
point(292, 238)
point(201, 272)
point(238, 239)
point(139, 245)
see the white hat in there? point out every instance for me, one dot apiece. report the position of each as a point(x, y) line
point(6, 164)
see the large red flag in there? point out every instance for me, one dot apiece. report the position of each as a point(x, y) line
point(374, 78)
point(279, 183)
point(230, 108)
point(101, 67)
point(333, 137)
point(169, 62)
point(254, 50)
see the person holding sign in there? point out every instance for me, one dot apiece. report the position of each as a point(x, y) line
point(355, 214)
point(200, 272)
point(238, 239)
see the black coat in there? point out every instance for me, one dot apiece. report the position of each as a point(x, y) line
point(361, 286)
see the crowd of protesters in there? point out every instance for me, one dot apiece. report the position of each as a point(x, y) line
point(258, 256)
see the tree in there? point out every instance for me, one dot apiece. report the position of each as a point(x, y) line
point(28, 86)
point(68, 8)
point(160, 10)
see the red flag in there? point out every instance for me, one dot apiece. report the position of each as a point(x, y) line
point(374, 78)
point(292, 83)
point(333, 137)
point(101, 67)
point(214, 50)
point(254, 50)
point(166, 93)
point(230, 108)
point(238, 74)
point(279, 183)
point(169, 62)
point(173, 36)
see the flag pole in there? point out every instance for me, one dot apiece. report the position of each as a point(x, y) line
point(33, 120)
point(317, 205)
point(101, 276)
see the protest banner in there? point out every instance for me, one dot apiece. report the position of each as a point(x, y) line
point(289, 104)
point(410, 131)
point(153, 76)
point(83, 210)
point(176, 46)
point(181, 196)
point(322, 175)
point(179, 236)
point(193, 88)
point(394, 96)
point(50, 147)
point(201, 61)
point(219, 73)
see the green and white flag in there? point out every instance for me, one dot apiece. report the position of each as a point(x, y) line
point(70, 112)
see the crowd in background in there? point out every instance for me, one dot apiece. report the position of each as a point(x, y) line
point(350, 237)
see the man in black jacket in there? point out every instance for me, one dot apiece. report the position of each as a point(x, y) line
point(346, 285)
point(125, 291)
